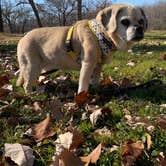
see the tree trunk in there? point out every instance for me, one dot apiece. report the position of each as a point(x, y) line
point(31, 2)
point(1, 19)
point(79, 9)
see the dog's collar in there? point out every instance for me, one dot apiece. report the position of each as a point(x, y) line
point(106, 46)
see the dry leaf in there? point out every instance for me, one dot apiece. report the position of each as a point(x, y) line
point(77, 139)
point(131, 151)
point(164, 56)
point(69, 140)
point(81, 98)
point(95, 116)
point(42, 130)
point(93, 156)
point(36, 106)
point(67, 158)
point(107, 81)
point(149, 141)
point(20, 154)
point(4, 79)
point(4, 93)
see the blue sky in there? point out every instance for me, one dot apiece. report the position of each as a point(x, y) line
point(135, 2)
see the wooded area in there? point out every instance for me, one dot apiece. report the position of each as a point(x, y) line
point(20, 16)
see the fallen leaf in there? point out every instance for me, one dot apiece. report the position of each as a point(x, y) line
point(132, 64)
point(4, 79)
point(36, 106)
point(161, 122)
point(104, 131)
point(131, 151)
point(77, 139)
point(95, 116)
point(69, 140)
point(4, 93)
point(81, 98)
point(20, 154)
point(42, 130)
point(67, 158)
point(107, 81)
point(148, 141)
point(93, 156)
point(114, 148)
point(164, 56)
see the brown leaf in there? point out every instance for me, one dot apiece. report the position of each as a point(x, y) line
point(67, 158)
point(107, 81)
point(161, 122)
point(4, 93)
point(77, 139)
point(164, 56)
point(4, 79)
point(42, 130)
point(81, 98)
point(93, 156)
point(36, 106)
point(131, 151)
point(69, 140)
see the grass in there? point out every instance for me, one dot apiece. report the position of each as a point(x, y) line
point(143, 101)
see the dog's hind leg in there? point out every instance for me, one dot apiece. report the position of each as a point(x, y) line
point(20, 80)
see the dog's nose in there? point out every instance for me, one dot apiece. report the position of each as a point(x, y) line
point(139, 30)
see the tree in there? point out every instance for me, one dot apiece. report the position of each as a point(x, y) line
point(79, 9)
point(62, 8)
point(34, 8)
point(1, 19)
point(31, 2)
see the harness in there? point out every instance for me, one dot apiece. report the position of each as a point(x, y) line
point(105, 48)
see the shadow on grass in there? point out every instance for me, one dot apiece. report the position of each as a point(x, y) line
point(8, 48)
point(149, 48)
point(156, 37)
point(154, 91)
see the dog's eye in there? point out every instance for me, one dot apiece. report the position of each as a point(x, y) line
point(125, 22)
point(141, 21)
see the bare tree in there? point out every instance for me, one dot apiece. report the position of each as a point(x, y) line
point(62, 8)
point(1, 19)
point(31, 2)
point(34, 8)
point(79, 9)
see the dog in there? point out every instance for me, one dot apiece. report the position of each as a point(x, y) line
point(116, 27)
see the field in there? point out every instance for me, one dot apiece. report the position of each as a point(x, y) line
point(125, 118)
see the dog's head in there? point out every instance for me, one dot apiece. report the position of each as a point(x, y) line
point(126, 21)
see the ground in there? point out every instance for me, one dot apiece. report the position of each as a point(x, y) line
point(126, 114)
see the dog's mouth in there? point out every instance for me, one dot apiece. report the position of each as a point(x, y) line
point(138, 37)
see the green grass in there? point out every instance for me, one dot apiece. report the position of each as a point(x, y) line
point(144, 100)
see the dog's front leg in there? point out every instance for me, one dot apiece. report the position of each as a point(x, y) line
point(96, 75)
point(85, 75)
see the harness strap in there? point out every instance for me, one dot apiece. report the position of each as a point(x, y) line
point(69, 43)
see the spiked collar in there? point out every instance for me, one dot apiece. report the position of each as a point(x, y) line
point(106, 46)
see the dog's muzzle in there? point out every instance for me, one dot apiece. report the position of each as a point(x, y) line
point(139, 34)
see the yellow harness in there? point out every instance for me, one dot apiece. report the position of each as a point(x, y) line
point(70, 49)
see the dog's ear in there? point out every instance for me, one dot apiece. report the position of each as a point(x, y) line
point(145, 19)
point(108, 17)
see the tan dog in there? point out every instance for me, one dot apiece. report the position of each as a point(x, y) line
point(44, 49)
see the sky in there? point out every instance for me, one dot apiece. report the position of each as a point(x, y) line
point(135, 2)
